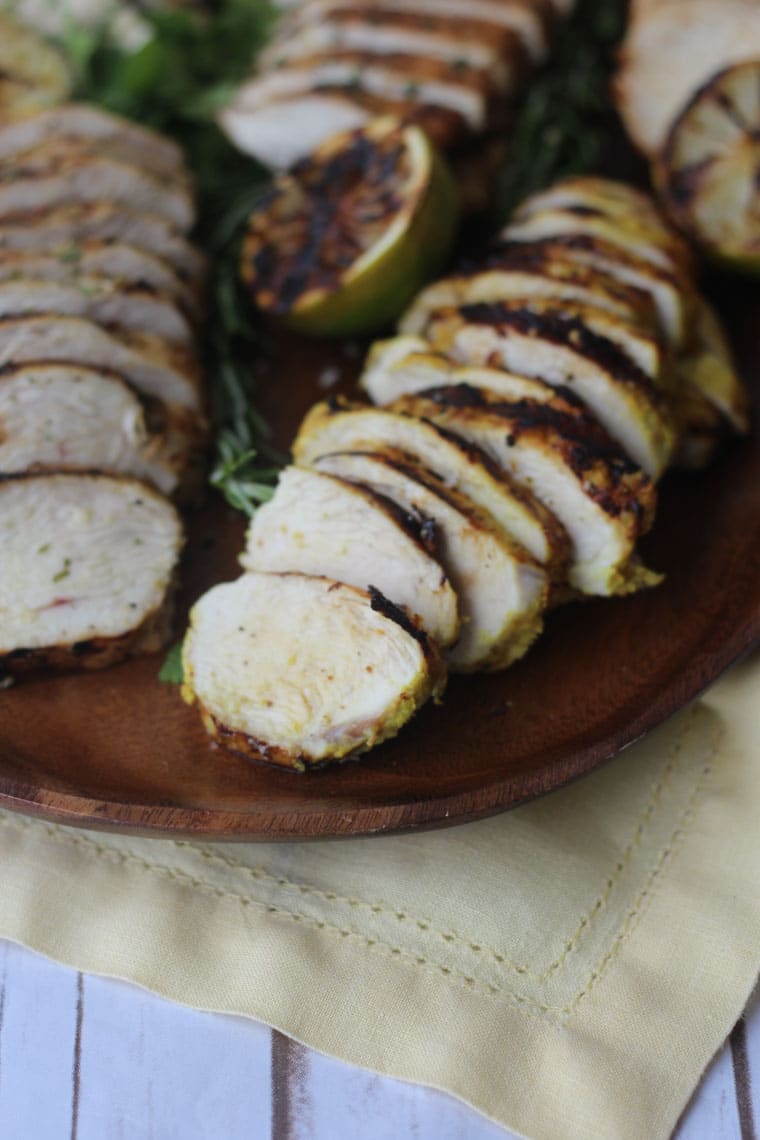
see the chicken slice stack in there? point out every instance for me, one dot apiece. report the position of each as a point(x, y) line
point(509, 458)
point(332, 65)
point(101, 397)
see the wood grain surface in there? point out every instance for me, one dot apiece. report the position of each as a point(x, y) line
point(119, 750)
point(86, 1058)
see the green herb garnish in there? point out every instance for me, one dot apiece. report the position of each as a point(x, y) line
point(171, 671)
point(566, 124)
point(176, 83)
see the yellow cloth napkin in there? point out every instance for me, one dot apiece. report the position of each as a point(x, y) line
point(568, 968)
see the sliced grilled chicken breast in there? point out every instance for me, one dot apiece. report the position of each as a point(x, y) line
point(563, 223)
point(57, 174)
point(280, 134)
point(300, 671)
point(528, 19)
point(564, 351)
point(493, 51)
point(59, 417)
point(81, 121)
point(389, 375)
point(127, 265)
point(98, 299)
point(669, 290)
point(603, 500)
point(341, 426)
point(641, 345)
point(153, 366)
point(395, 78)
point(557, 280)
point(502, 591)
point(62, 228)
point(88, 562)
point(320, 525)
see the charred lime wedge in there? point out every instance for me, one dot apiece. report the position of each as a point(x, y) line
point(341, 243)
point(709, 168)
point(33, 75)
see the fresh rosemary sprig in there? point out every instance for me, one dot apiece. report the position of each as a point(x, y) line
point(176, 82)
point(566, 124)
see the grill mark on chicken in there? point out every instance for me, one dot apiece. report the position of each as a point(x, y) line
point(569, 332)
point(397, 614)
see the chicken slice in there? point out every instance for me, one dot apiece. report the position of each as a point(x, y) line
point(642, 345)
point(495, 52)
point(391, 77)
point(565, 351)
point(63, 228)
point(301, 671)
point(502, 591)
point(152, 366)
point(523, 280)
point(320, 525)
point(99, 299)
point(566, 223)
point(528, 19)
point(341, 426)
point(58, 174)
point(603, 501)
point(127, 265)
point(88, 124)
point(88, 562)
point(669, 290)
point(60, 417)
point(281, 134)
point(405, 365)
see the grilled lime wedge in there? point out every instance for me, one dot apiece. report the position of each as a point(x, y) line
point(33, 75)
point(341, 243)
point(709, 169)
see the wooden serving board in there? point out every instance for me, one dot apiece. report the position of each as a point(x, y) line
point(119, 750)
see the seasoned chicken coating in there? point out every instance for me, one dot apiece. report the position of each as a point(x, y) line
point(300, 671)
point(340, 426)
point(603, 501)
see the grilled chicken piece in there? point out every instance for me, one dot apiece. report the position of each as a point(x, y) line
point(59, 417)
point(669, 290)
point(280, 134)
point(88, 562)
point(603, 501)
point(564, 351)
point(124, 264)
point(101, 129)
point(528, 278)
point(319, 525)
point(701, 427)
point(558, 223)
point(65, 227)
point(493, 51)
point(502, 591)
point(389, 77)
point(527, 19)
point(151, 365)
point(301, 671)
point(64, 172)
point(641, 345)
point(98, 299)
point(670, 50)
point(405, 365)
point(341, 426)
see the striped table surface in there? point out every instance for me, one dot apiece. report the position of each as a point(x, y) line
point(86, 1058)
